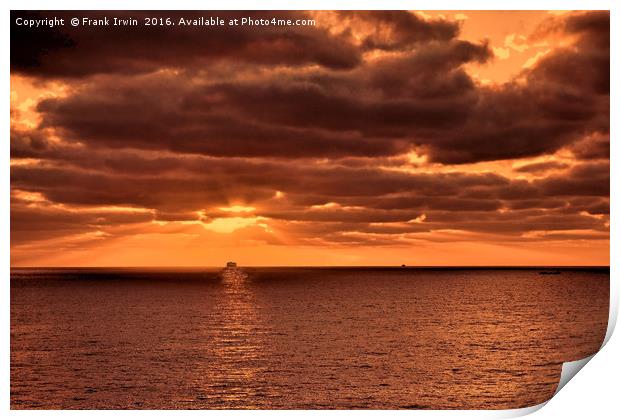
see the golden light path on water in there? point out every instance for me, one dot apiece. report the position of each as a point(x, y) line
point(237, 343)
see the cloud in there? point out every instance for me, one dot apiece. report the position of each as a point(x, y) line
point(396, 30)
point(309, 131)
point(189, 188)
point(592, 147)
point(76, 52)
point(582, 180)
point(541, 167)
point(421, 100)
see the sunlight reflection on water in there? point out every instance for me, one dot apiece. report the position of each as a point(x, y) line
point(237, 343)
point(299, 338)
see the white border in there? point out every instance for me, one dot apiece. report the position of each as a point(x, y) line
point(592, 395)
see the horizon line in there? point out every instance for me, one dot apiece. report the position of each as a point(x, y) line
point(317, 266)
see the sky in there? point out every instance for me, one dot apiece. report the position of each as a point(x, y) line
point(371, 138)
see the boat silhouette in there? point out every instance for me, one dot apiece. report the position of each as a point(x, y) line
point(549, 273)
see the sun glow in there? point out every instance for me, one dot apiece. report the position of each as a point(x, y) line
point(237, 209)
point(231, 224)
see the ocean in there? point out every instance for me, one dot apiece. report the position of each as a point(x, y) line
point(299, 338)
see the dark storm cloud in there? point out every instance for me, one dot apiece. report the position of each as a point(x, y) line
point(69, 52)
point(29, 48)
point(584, 65)
point(28, 144)
point(274, 116)
point(536, 203)
point(395, 30)
point(182, 145)
point(593, 147)
point(422, 99)
point(593, 206)
point(583, 180)
point(158, 114)
point(31, 221)
point(184, 185)
point(541, 167)
point(192, 183)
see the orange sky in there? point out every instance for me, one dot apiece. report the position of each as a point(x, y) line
point(430, 138)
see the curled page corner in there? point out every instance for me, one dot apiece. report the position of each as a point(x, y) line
point(613, 311)
point(519, 412)
point(569, 370)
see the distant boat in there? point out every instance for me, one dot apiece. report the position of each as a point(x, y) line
point(403, 265)
point(549, 273)
point(231, 264)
